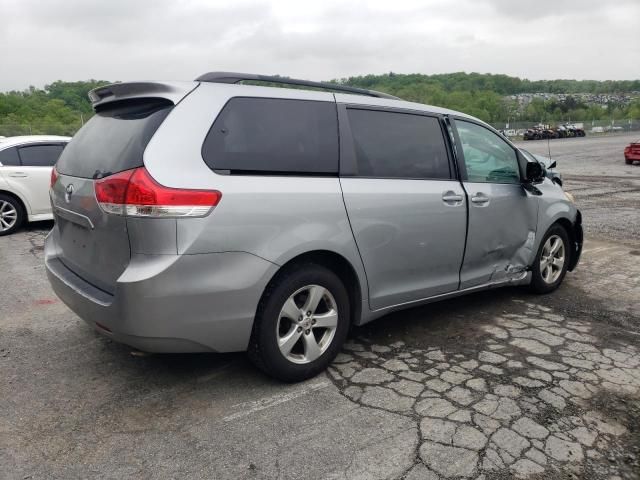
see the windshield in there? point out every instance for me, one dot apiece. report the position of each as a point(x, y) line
point(528, 155)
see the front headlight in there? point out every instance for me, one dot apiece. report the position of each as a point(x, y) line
point(570, 197)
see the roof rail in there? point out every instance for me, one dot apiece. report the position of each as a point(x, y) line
point(233, 77)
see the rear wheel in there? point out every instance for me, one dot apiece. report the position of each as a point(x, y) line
point(628, 162)
point(301, 323)
point(11, 214)
point(551, 261)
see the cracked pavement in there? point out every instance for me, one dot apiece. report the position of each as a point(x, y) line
point(496, 385)
point(522, 404)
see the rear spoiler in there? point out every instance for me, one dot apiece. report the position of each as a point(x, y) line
point(115, 92)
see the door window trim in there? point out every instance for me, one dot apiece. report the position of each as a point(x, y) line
point(348, 165)
point(464, 177)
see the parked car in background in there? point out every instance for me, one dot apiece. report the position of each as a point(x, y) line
point(209, 216)
point(25, 171)
point(545, 132)
point(549, 166)
point(632, 153)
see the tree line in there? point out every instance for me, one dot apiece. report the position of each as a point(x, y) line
point(486, 96)
point(61, 107)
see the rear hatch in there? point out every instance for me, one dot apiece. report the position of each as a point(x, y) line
point(92, 243)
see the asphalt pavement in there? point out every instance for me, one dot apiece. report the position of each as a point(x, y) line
point(498, 384)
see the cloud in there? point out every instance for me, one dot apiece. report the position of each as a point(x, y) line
point(165, 39)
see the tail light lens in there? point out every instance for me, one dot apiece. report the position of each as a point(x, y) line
point(54, 177)
point(135, 193)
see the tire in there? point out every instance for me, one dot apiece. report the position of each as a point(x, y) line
point(12, 214)
point(628, 162)
point(542, 280)
point(290, 291)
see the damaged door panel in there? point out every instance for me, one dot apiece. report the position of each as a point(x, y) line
point(501, 234)
point(503, 217)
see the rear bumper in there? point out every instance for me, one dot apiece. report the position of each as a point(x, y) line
point(170, 303)
point(632, 156)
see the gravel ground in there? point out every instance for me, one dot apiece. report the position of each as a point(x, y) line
point(495, 385)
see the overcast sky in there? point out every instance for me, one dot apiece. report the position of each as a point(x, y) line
point(47, 40)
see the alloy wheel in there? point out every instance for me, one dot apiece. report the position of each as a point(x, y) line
point(552, 259)
point(8, 216)
point(307, 324)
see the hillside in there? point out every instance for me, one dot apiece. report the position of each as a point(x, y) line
point(62, 107)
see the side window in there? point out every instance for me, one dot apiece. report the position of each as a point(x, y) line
point(398, 145)
point(487, 157)
point(274, 135)
point(9, 157)
point(39, 155)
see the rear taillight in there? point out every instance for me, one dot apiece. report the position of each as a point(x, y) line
point(54, 177)
point(135, 193)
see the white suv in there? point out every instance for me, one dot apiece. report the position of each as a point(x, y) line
point(25, 173)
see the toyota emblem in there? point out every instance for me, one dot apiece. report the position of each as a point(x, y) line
point(68, 192)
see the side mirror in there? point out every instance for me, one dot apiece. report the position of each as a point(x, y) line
point(552, 165)
point(534, 173)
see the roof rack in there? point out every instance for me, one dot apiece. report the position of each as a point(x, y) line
point(233, 77)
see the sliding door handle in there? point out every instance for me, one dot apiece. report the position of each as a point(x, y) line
point(452, 198)
point(480, 199)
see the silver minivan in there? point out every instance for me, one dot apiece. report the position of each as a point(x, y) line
point(217, 216)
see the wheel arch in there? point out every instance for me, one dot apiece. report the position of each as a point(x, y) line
point(574, 231)
point(339, 265)
point(23, 203)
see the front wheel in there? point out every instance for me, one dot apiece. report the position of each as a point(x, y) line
point(302, 321)
point(552, 260)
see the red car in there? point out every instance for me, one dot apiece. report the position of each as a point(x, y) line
point(632, 153)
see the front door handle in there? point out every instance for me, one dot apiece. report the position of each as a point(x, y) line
point(18, 175)
point(452, 198)
point(480, 199)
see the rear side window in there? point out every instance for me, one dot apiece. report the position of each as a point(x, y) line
point(9, 157)
point(40, 155)
point(267, 135)
point(398, 145)
point(114, 139)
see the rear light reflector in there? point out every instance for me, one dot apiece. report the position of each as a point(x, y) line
point(135, 193)
point(54, 177)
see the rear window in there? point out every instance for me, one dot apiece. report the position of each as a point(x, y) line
point(267, 135)
point(398, 145)
point(113, 140)
point(40, 155)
